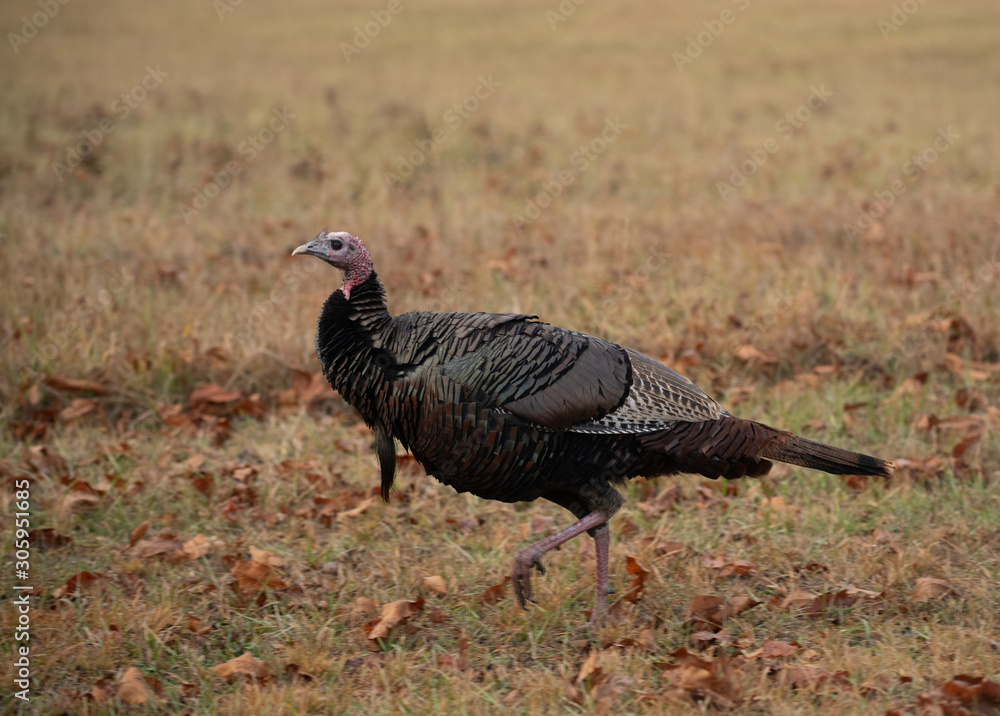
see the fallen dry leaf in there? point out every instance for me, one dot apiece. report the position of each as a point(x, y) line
point(736, 568)
point(494, 594)
point(639, 577)
point(797, 599)
point(753, 354)
point(60, 382)
point(48, 538)
point(244, 666)
point(165, 545)
point(132, 687)
point(778, 505)
point(589, 668)
point(364, 609)
point(252, 577)
point(77, 583)
point(628, 527)
point(211, 393)
point(773, 649)
point(76, 501)
point(197, 547)
point(831, 601)
point(139, 532)
point(394, 614)
point(511, 699)
point(195, 625)
point(458, 663)
point(929, 588)
point(707, 612)
point(99, 692)
point(265, 557)
point(957, 695)
point(645, 642)
point(355, 511)
point(77, 409)
point(294, 672)
point(436, 584)
point(715, 683)
point(811, 678)
point(664, 501)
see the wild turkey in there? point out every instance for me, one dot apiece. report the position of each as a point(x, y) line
point(509, 408)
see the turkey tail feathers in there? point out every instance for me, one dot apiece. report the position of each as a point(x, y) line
point(819, 456)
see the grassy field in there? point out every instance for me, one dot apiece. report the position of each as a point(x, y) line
point(796, 205)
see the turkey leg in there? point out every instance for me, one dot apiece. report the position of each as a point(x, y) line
point(531, 557)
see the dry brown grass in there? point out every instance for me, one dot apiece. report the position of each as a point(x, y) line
point(762, 299)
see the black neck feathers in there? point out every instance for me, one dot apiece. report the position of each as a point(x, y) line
point(346, 335)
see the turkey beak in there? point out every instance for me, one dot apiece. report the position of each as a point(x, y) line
point(312, 248)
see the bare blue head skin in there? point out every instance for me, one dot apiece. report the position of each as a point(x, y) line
point(342, 251)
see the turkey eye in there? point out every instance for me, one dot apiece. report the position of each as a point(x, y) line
point(337, 244)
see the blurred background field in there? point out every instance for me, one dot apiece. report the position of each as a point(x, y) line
point(159, 164)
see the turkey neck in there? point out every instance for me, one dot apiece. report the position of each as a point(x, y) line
point(346, 337)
